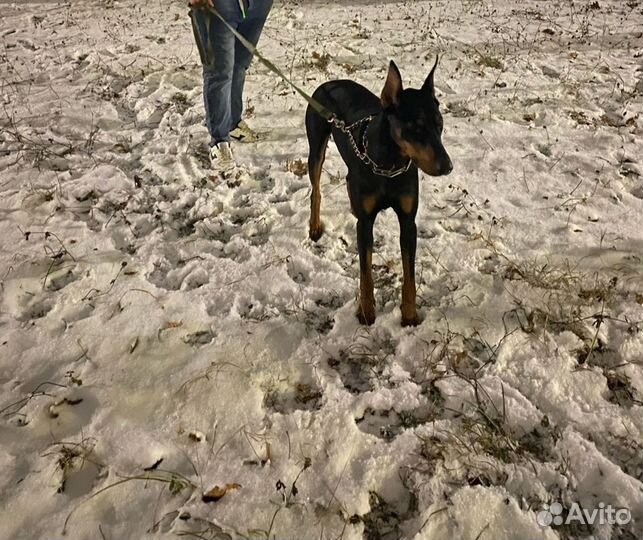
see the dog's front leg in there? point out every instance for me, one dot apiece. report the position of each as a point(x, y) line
point(408, 242)
point(366, 310)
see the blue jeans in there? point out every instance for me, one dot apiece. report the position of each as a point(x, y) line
point(225, 60)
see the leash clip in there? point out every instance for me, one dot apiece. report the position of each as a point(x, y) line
point(337, 122)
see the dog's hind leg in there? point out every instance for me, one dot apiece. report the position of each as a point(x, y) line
point(318, 132)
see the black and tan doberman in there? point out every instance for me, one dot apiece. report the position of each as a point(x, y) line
point(383, 142)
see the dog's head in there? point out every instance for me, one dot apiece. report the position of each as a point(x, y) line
point(416, 122)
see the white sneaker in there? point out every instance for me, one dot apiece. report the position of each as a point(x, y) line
point(244, 133)
point(221, 156)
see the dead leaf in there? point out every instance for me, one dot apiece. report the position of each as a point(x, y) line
point(169, 325)
point(172, 324)
point(297, 167)
point(217, 492)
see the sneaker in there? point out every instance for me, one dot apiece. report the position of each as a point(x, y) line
point(221, 156)
point(244, 133)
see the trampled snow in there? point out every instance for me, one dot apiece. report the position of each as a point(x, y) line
point(167, 333)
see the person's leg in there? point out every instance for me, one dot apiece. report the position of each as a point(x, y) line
point(251, 29)
point(217, 51)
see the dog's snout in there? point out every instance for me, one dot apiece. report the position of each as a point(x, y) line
point(442, 165)
point(447, 165)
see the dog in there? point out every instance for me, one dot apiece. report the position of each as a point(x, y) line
point(383, 141)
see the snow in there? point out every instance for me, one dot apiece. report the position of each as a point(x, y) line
point(165, 330)
point(473, 506)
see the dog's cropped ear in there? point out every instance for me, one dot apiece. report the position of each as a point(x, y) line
point(393, 87)
point(428, 85)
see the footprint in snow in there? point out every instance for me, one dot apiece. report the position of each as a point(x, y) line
point(457, 228)
point(301, 396)
point(179, 275)
point(34, 308)
point(61, 278)
point(299, 270)
point(388, 423)
point(199, 338)
point(358, 375)
point(638, 192)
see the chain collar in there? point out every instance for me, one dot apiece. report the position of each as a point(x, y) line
point(363, 155)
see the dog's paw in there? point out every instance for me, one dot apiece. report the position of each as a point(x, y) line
point(409, 315)
point(410, 321)
point(316, 232)
point(365, 318)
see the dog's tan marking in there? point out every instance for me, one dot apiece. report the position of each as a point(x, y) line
point(423, 156)
point(407, 204)
point(408, 308)
point(366, 313)
point(369, 203)
point(315, 227)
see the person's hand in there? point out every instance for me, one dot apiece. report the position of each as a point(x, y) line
point(200, 3)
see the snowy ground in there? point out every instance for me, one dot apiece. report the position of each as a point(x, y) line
point(165, 331)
